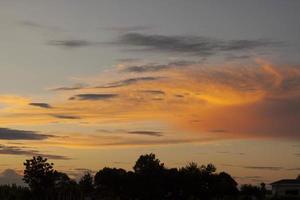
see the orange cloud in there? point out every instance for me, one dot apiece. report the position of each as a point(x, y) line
point(242, 101)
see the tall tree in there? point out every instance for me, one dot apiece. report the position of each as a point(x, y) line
point(39, 175)
point(147, 163)
point(109, 182)
point(86, 184)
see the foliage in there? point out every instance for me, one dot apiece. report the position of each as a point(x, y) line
point(13, 192)
point(249, 190)
point(40, 176)
point(148, 164)
point(86, 183)
point(150, 180)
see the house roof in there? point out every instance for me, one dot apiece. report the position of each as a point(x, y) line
point(287, 182)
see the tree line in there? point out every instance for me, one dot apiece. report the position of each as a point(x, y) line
point(149, 180)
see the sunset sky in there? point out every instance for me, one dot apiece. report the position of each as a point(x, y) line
point(97, 83)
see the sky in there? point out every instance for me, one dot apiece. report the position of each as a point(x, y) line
point(97, 83)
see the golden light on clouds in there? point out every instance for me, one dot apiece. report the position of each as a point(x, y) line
point(206, 101)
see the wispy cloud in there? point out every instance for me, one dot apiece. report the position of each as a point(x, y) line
point(238, 57)
point(65, 116)
point(139, 132)
point(262, 101)
point(39, 26)
point(93, 97)
point(264, 168)
point(128, 60)
point(159, 67)
point(195, 45)
point(14, 150)
point(71, 44)
point(114, 84)
point(171, 141)
point(129, 81)
point(30, 24)
point(41, 105)
point(155, 92)
point(13, 134)
point(149, 133)
point(75, 87)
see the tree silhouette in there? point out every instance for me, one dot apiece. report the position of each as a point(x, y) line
point(109, 182)
point(224, 185)
point(64, 187)
point(150, 180)
point(263, 190)
point(191, 168)
point(197, 180)
point(14, 192)
point(39, 175)
point(209, 169)
point(249, 191)
point(147, 163)
point(86, 184)
point(150, 175)
point(61, 179)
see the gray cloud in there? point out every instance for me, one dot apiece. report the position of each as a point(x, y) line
point(155, 92)
point(63, 116)
point(121, 83)
point(156, 142)
point(39, 26)
point(71, 43)
point(144, 142)
point(12, 134)
point(30, 24)
point(195, 45)
point(241, 57)
point(94, 97)
point(149, 133)
point(158, 67)
point(129, 81)
point(264, 168)
point(128, 60)
point(41, 105)
point(75, 87)
point(14, 150)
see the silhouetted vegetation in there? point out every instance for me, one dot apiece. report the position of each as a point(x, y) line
point(249, 191)
point(149, 180)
